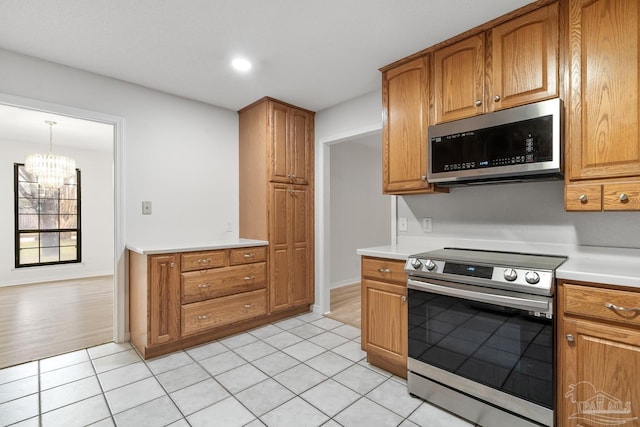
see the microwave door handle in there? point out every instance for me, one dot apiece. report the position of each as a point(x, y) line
point(486, 297)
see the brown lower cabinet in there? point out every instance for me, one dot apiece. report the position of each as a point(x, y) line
point(178, 300)
point(384, 314)
point(598, 356)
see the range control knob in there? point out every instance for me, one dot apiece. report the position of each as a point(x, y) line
point(430, 265)
point(510, 274)
point(532, 277)
point(416, 264)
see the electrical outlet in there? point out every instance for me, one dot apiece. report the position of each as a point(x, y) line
point(427, 225)
point(402, 224)
point(146, 208)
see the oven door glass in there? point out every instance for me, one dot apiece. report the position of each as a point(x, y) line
point(507, 349)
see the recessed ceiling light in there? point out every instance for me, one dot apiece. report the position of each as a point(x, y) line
point(241, 64)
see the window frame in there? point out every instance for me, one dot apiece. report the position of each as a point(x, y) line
point(18, 231)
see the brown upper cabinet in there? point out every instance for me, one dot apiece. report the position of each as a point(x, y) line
point(511, 64)
point(405, 104)
point(290, 151)
point(602, 166)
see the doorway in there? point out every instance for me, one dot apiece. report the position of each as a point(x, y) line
point(359, 216)
point(62, 297)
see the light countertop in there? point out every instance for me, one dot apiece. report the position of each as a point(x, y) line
point(612, 266)
point(192, 247)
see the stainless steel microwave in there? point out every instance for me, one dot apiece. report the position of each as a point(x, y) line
point(517, 144)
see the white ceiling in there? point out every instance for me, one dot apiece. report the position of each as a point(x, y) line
point(314, 54)
point(19, 125)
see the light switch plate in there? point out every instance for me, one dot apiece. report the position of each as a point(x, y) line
point(402, 224)
point(146, 208)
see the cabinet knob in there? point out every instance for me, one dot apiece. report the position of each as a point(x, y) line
point(478, 103)
point(583, 198)
point(424, 177)
point(404, 298)
point(569, 338)
point(623, 197)
point(496, 98)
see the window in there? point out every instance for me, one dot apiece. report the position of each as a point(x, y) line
point(47, 222)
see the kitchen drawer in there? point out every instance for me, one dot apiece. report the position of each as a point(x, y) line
point(621, 197)
point(384, 269)
point(206, 259)
point(217, 282)
point(592, 302)
point(200, 316)
point(583, 197)
point(247, 255)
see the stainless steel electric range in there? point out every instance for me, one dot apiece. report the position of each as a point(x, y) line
point(481, 334)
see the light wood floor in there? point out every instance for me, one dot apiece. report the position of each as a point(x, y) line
point(345, 304)
point(46, 319)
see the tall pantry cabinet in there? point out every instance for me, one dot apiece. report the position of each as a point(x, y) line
point(276, 195)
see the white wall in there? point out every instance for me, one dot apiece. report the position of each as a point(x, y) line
point(524, 212)
point(355, 118)
point(97, 215)
point(359, 212)
point(179, 154)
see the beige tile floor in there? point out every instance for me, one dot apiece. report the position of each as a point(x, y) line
point(303, 371)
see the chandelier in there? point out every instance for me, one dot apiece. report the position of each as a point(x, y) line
point(50, 170)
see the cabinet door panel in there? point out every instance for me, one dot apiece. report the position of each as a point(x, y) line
point(385, 331)
point(600, 375)
point(279, 137)
point(279, 298)
point(279, 216)
point(458, 76)
point(524, 59)
point(301, 280)
point(301, 148)
point(164, 298)
point(405, 103)
point(605, 110)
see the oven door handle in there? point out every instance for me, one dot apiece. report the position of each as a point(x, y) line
point(486, 297)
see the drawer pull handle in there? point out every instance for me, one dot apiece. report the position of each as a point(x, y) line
point(618, 308)
point(204, 316)
point(204, 261)
point(583, 198)
point(623, 197)
point(204, 285)
point(570, 338)
point(249, 255)
point(248, 305)
point(384, 270)
point(249, 277)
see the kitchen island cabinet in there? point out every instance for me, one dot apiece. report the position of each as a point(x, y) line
point(181, 299)
point(602, 167)
point(384, 314)
point(598, 355)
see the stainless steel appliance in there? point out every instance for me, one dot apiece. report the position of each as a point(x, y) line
point(517, 144)
point(481, 341)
